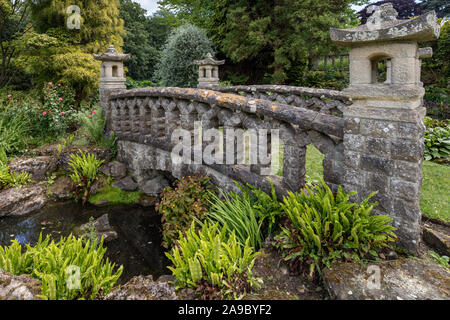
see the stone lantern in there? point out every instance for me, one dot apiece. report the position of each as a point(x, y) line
point(112, 76)
point(384, 134)
point(208, 71)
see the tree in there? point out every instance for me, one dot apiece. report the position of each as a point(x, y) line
point(138, 41)
point(13, 23)
point(277, 33)
point(70, 59)
point(442, 7)
point(197, 12)
point(186, 44)
point(405, 8)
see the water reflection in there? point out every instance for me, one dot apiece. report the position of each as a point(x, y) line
point(137, 248)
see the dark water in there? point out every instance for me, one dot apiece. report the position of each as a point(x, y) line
point(137, 248)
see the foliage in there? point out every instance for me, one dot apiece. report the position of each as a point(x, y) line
point(137, 41)
point(35, 117)
point(14, 21)
point(55, 264)
point(441, 7)
point(11, 179)
point(442, 260)
point(93, 124)
point(84, 169)
point(405, 8)
point(213, 256)
point(329, 79)
point(437, 143)
point(115, 196)
point(185, 45)
point(277, 35)
point(252, 215)
point(323, 228)
point(238, 215)
point(66, 55)
point(180, 206)
point(134, 84)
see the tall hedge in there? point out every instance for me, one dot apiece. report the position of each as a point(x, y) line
point(186, 44)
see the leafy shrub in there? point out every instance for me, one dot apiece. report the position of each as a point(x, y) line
point(246, 213)
point(185, 45)
point(54, 264)
point(84, 173)
point(11, 179)
point(437, 143)
point(134, 84)
point(179, 206)
point(442, 260)
point(93, 128)
point(330, 79)
point(213, 259)
point(322, 228)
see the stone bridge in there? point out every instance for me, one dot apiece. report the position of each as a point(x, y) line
point(370, 133)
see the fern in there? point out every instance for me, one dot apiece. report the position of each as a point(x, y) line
point(50, 261)
point(84, 168)
point(323, 228)
point(213, 256)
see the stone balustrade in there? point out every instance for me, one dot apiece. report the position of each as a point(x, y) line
point(148, 117)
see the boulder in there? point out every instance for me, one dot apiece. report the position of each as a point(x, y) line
point(20, 202)
point(117, 170)
point(155, 186)
point(126, 184)
point(147, 201)
point(437, 237)
point(62, 188)
point(403, 279)
point(39, 167)
point(143, 288)
point(22, 287)
point(102, 229)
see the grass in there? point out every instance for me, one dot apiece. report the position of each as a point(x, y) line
point(314, 166)
point(435, 194)
point(114, 195)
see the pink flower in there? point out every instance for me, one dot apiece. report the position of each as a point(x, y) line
point(90, 116)
point(9, 96)
point(59, 84)
point(63, 113)
point(44, 113)
point(94, 112)
point(50, 83)
point(60, 99)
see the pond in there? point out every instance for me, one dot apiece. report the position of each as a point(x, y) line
point(138, 246)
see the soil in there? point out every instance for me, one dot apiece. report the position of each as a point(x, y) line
point(279, 284)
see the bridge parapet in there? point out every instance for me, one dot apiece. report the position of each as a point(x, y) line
point(151, 116)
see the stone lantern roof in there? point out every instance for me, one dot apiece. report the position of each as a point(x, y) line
point(383, 25)
point(209, 61)
point(112, 55)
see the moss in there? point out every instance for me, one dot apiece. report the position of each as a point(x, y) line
point(114, 195)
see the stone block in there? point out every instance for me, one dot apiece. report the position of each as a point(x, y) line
point(354, 142)
point(407, 150)
point(376, 164)
point(409, 171)
point(378, 146)
point(404, 189)
point(378, 128)
point(376, 182)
